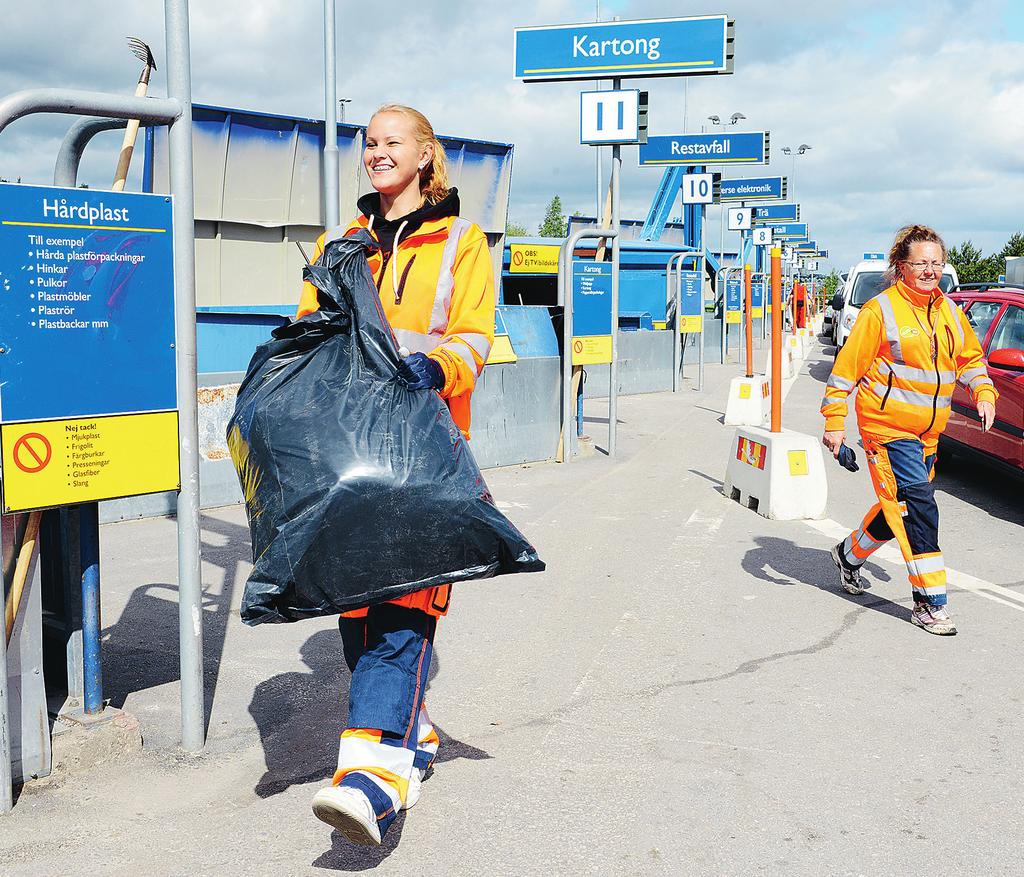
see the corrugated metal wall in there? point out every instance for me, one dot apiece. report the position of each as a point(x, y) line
point(258, 191)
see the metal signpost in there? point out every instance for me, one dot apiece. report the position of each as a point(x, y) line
point(567, 299)
point(32, 452)
point(690, 310)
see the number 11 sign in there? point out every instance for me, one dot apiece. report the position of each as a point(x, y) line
point(698, 188)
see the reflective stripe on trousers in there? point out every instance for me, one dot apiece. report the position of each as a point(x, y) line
point(906, 510)
point(388, 733)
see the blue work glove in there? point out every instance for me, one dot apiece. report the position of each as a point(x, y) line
point(848, 458)
point(419, 372)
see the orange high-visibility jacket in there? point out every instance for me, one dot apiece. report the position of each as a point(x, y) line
point(436, 285)
point(905, 353)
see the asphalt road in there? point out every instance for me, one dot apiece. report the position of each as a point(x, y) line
point(684, 691)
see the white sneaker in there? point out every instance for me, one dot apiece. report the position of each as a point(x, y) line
point(934, 619)
point(415, 781)
point(350, 812)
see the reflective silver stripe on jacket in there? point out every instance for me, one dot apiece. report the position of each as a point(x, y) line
point(974, 378)
point(445, 279)
point(919, 566)
point(840, 383)
point(909, 397)
point(480, 343)
point(892, 327)
point(979, 382)
point(416, 342)
point(922, 375)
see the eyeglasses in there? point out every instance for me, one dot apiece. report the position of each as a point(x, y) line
point(920, 266)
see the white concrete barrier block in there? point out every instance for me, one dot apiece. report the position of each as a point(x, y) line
point(790, 364)
point(749, 401)
point(779, 475)
point(795, 345)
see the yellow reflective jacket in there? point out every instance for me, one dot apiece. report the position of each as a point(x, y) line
point(436, 284)
point(905, 354)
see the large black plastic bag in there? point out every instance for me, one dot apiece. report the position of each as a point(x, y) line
point(357, 489)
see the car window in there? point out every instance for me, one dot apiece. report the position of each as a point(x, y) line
point(946, 282)
point(866, 286)
point(1009, 330)
point(980, 315)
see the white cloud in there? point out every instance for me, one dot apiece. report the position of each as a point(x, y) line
point(912, 109)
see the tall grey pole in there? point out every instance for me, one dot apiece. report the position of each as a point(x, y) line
point(6, 778)
point(332, 174)
point(190, 607)
point(613, 377)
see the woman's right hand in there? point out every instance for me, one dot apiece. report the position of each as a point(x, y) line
point(834, 441)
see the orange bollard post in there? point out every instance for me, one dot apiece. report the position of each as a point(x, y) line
point(749, 320)
point(776, 420)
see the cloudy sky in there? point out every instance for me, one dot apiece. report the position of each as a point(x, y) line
point(914, 110)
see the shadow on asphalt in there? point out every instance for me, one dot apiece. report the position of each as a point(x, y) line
point(141, 650)
point(301, 714)
point(794, 563)
point(983, 486)
point(820, 369)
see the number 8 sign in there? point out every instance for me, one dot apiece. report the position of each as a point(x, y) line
point(698, 188)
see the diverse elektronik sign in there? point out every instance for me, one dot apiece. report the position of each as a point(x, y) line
point(624, 49)
point(705, 149)
point(754, 189)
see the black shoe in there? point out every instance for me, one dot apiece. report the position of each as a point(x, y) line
point(849, 577)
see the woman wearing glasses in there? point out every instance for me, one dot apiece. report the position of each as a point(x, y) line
point(908, 348)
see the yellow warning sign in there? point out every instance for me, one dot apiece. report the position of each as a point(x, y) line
point(502, 351)
point(64, 462)
point(797, 462)
point(733, 317)
point(744, 391)
point(533, 258)
point(756, 313)
point(591, 349)
point(692, 323)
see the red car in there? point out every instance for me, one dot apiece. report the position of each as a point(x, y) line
point(997, 315)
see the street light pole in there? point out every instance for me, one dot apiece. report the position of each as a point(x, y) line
point(716, 120)
point(800, 150)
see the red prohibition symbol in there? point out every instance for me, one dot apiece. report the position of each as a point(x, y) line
point(517, 259)
point(32, 452)
point(578, 346)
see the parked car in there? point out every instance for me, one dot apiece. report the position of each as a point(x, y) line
point(836, 313)
point(866, 280)
point(828, 318)
point(997, 315)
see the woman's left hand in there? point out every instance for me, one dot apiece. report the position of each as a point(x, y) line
point(987, 410)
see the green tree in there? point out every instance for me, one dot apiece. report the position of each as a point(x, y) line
point(971, 266)
point(830, 283)
point(554, 225)
point(1014, 246)
point(516, 230)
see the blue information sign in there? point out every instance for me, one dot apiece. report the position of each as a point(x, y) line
point(754, 189)
point(808, 245)
point(873, 257)
point(701, 149)
point(87, 323)
point(756, 297)
point(790, 230)
point(776, 213)
point(733, 296)
point(691, 304)
point(591, 298)
point(624, 49)
point(822, 254)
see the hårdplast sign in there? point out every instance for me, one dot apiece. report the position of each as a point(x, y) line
point(620, 49)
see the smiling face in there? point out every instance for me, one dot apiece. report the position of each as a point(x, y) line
point(927, 254)
point(392, 156)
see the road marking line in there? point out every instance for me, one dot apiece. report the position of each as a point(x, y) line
point(964, 581)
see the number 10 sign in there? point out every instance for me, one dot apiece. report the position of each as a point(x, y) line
point(698, 188)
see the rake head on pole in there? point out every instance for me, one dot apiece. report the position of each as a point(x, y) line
point(142, 52)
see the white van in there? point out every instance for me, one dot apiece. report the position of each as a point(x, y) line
point(866, 280)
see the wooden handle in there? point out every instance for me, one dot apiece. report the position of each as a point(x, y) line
point(28, 546)
point(128, 143)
